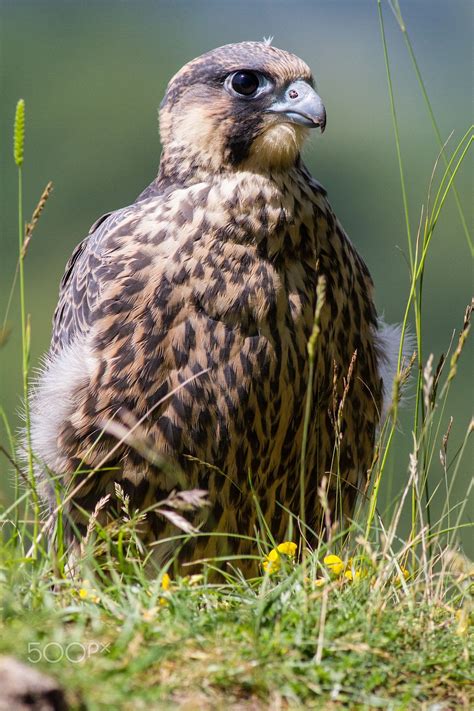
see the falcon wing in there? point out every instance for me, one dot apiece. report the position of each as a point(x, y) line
point(89, 268)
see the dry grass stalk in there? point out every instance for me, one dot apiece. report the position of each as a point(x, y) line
point(93, 520)
point(30, 226)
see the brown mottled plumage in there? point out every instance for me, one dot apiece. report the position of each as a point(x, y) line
point(191, 309)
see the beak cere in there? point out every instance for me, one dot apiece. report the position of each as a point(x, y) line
point(300, 104)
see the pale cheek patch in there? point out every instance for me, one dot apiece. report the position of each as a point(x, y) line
point(197, 128)
point(277, 147)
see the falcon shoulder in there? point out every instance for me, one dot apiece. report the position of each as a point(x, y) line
point(88, 270)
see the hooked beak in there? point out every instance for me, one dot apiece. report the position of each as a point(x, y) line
point(301, 105)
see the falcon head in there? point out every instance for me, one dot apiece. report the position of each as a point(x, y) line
point(246, 106)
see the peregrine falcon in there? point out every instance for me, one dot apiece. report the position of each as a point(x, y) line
point(189, 311)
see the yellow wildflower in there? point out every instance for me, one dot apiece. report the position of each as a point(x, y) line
point(287, 548)
point(165, 585)
point(272, 562)
point(397, 578)
point(88, 593)
point(352, 575)
point(334, 563)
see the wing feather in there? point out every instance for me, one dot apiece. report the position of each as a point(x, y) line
point(87, 272)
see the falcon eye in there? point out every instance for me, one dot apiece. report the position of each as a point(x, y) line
point(245, 83)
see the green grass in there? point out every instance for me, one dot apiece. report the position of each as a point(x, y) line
point(285, 641)
point(390, 626)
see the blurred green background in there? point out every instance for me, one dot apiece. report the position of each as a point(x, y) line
point(93, 73)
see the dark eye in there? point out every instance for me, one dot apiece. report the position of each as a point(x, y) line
point(245, 83)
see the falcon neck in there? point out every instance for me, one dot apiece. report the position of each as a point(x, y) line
point(247, 207)
point(264, 207)
point(249, 183)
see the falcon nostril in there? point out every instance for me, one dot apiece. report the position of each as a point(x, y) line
point(293, 94)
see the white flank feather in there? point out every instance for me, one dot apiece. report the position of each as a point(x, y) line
point(388, 346)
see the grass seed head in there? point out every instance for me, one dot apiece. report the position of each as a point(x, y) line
point(19, 133)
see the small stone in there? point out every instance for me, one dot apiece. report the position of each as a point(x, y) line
point(23, 688)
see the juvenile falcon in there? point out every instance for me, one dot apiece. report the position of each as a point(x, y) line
point(190, 311)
